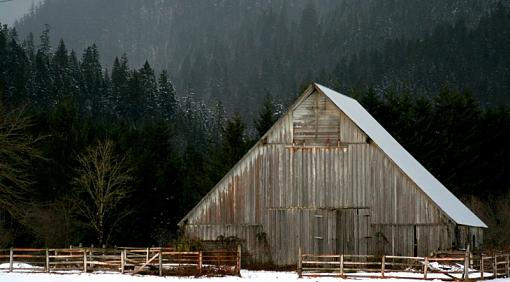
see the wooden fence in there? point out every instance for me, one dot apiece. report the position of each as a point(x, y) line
point(162, 261)
point(445, 268)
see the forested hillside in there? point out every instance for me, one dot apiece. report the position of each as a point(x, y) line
point(237, 51)
point(58, 108)
point(457, 57)
point(66, 120)
point(145, 94)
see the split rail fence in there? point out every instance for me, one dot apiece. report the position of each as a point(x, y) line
point(426, 268)
point(162, 261)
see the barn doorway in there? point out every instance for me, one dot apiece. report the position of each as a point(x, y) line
point(352, 232)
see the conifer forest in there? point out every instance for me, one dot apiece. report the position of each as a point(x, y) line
point(117, 117)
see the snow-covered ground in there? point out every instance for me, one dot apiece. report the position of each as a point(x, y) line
point(250, 276)
point(29, 273)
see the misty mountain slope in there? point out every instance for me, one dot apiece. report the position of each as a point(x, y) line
point(456, 57)
point(238, 50)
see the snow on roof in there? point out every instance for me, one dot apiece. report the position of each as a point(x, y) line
point(446, 201)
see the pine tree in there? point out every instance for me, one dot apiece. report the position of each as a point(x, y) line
point(266, 117)
point(120, 76)
point(43, 80)
point(60, 71)
point(150, 92)
point(167, 100)
point(92, 74)
point(234, 140)
point(45, 44)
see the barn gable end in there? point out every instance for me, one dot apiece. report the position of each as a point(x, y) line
point(316, 180)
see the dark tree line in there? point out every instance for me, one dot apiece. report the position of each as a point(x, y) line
point(177, 148)
point(236, 50)
point(464, 145)
point(457, 56)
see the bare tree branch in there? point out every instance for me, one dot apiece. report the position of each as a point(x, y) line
point(17, 151)
point(102, 181)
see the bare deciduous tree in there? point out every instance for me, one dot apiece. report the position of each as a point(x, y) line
point(102, 181)
point(17, 150)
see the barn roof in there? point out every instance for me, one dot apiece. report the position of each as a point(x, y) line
point(437, 192)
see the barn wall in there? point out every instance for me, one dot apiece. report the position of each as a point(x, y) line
point(255, 245)
point(317, 182)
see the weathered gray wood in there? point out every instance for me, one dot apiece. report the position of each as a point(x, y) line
point(11, 259)
point(465, 274)
point(495, 266)
point(85, 261)
point(300, 264)
point(238, 261)
point(383, 265)
point(122, 260)
point(507, 258)
point(47, 261)
point(315, 181)
point(482, 267)
point(425, 268)
point(342, 265)
point(146, 263)
point(160, 262)
point(199, 265)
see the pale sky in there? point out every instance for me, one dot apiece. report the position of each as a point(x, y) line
point(14, 9)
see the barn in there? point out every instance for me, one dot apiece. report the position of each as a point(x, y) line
point(328, 178)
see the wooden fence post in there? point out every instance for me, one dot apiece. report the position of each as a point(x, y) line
point(147, 256)
point(85, 260)
point(482, 270)
point(11, 259)
point(495, 266)
point(160, 262)
point(342, 265)
point(508, 266)
point(299, 266)
point(90, 258)
point(426, 268)
point(465, 274)
point(238, 264)
point(200, 262)
point(122, 260)
point(383, 265)
point(47, 265)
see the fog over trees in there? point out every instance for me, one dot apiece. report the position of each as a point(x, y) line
point(237, 51)
point(175, 92)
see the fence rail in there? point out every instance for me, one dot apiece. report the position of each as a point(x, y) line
point(427, 268)
point(163, 261)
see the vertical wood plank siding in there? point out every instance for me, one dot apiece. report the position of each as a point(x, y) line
point(317, 182)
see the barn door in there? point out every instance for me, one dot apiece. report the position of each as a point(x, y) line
point(322, 231)
point(352, 231)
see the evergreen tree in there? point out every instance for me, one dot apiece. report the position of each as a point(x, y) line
point(92, 74)
point(267, 116)
point(234, 140)
point(120, 76)
point(43, 80)
point(60, 71)
point(149, 93)
point(166, 97)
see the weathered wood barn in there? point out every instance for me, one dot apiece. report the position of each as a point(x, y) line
point(328, 178)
